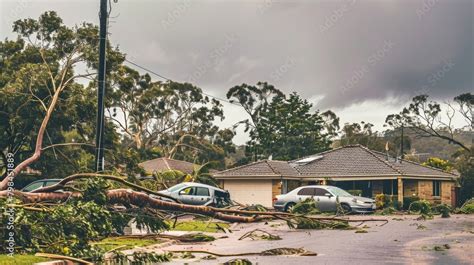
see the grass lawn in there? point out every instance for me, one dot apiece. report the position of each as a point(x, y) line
point(198, 225)
point(125, 243)
point(21, 259)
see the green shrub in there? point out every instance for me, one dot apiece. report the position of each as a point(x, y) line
point(389, 200)
point(388, 211)
point(396, 204)
point(385, 200)
point(407, 201)
point(380, 201)
point(422, 207)
point(442, 209)
point(467, 207)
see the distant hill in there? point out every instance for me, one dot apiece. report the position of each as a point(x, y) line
point(430, 146)
point(420, 147)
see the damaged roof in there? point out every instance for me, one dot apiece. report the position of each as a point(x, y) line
point(263, 168)
point(347, 161)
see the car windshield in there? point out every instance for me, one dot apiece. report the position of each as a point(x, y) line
point(338, 192)
point(33, 186)
point(177, 187)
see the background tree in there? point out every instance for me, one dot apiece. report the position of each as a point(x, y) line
point(289, 129)
point(439, 163)
point(361, 133)
point(254, 100)
point(429, 119)
point(331, 123)
point(280, 126)
point(176, 120)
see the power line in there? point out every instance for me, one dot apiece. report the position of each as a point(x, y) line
point(169, 79)
point(148, 70)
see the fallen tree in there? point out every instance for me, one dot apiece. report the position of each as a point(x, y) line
point(53, 219)
point(142, 199)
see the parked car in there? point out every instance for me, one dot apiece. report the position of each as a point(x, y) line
point(198, 194)
point(325, 197)
point(37, 184)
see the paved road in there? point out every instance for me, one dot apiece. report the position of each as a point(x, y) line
point(398, 242)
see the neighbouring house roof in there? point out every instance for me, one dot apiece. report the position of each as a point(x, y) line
point(163, 164)
point(263, 168)
point(347, 161)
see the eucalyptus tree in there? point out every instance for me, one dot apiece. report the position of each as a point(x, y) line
point(281, 126)
point(175, 119)
point(290, 129)
point(254, 100)
point(41, 97)
point(430, 119)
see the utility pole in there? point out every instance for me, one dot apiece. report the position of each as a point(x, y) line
point(401, 147)
point(99, 143)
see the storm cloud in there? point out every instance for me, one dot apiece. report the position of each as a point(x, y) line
point(335, 53)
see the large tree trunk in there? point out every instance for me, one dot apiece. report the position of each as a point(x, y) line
point(38, 146)
point(140, 199)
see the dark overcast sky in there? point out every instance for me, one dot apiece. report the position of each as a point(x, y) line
point(363, 59)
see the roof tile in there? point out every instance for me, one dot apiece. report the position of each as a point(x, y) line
point(347, 161)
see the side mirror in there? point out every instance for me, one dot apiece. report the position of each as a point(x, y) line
point(182, 192)
point(328, 194)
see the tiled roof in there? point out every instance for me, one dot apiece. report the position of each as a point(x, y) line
point(163, 164)
point(263, 168)
point(347, 161)
point(410, 168)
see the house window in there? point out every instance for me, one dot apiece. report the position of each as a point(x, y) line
point(390, 187)
point(436, 188)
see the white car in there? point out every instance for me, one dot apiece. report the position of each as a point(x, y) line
point(325, 197)
point(198, 194)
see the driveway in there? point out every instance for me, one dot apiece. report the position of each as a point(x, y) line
point(403, 240)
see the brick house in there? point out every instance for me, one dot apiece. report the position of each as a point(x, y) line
point(351, 167)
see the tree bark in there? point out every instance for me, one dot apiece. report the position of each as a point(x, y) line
point(141, 199)
point(38, 146)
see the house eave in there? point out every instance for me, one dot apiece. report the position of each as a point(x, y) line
point(336, 178)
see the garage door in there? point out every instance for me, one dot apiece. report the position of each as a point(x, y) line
point(250, 191)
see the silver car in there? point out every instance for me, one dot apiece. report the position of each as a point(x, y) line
point(38, 184)
point(198, 194)
point(325, 197)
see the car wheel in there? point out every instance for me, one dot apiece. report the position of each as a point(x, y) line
point(346, 208)
point(288, 206)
